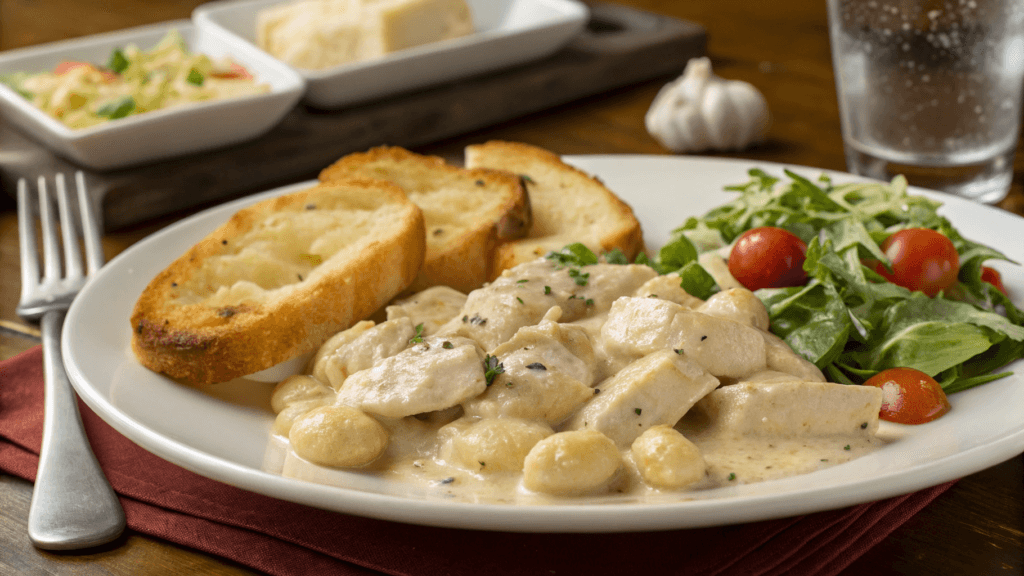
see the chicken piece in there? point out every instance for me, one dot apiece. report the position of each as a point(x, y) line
point(370, 346)
point(782, 358)
point(791, 409)
point(317, 366)
point(523, 294)
point(548, 370)
point(639, 326)
point(435, 374)
point(656, 389)
point(715, 265)
point(432, 308)
point(668, 287)
point(739, 305)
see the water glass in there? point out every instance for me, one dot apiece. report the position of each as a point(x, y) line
point(931, 89)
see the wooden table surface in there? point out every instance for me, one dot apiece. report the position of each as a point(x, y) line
point(782, 47)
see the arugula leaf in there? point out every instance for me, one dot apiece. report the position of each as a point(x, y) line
point(849, 320)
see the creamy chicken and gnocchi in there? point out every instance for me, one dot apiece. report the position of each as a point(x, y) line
point(557, 381)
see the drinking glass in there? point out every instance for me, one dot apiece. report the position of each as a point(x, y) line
point(931, 89)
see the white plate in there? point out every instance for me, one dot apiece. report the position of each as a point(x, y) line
point(224, 437)
point(159, 134)
point(508, 32)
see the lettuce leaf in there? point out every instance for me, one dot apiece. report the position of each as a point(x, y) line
point(848, 320)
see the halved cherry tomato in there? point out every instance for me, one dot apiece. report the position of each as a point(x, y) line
point(768, 257)
point(67, 66)
point(922, 260)
point(235, 70)
point(992, 276)
point(909, 396)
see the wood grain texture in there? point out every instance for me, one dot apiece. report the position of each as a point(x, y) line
point(781, 47)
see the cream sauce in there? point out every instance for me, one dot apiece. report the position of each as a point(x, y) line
point(605, 361)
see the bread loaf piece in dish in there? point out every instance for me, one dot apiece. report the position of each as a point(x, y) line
point(568, 205)
point(278, 279)
point(469, 214)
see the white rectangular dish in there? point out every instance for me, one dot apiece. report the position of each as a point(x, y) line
point(159, 134)
point(508, 32)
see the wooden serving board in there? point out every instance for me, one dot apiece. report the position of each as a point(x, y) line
point(620, 46)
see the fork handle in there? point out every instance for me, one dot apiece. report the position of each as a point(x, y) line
point(73, 505)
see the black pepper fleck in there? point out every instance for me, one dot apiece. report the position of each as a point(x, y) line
point(536, 366)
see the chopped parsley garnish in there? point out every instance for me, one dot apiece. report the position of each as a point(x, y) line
point(117, 108)
point(637, 410)
point(195, 77)
point(118, 61)
point(547, 289)
point(446, 344)
point(520, 300)
point(847, 447)
point(522, 281)
point(536, 366)
point(732, 476)
point(419, 335)
point(492, 367)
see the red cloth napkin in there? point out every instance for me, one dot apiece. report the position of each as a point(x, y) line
point(281, 538)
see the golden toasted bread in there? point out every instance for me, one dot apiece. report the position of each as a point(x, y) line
point(278, 279)
point(469, 214)
point(568, 205)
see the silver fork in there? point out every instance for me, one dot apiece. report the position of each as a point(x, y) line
point(73, 505)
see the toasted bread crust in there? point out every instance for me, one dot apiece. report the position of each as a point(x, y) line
point(469, 213)
point(568, 204)
point(185, 326)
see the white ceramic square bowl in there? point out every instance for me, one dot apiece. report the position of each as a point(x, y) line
point(159, 134)
point(508, 32)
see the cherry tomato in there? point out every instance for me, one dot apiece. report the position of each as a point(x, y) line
point(909, 396)
point(235, 71)
point(922, 260)
point(768, 257)
point(992, 276)
point(67, 66)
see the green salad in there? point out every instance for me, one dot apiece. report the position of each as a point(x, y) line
point(847, 317)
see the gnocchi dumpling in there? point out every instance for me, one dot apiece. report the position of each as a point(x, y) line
point(339, 436)
point(666, 459)
point(496, 444)
point(572, 462)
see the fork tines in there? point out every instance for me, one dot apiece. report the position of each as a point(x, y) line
point(56, 278)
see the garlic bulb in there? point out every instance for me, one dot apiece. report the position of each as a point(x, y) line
point(700, 111)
